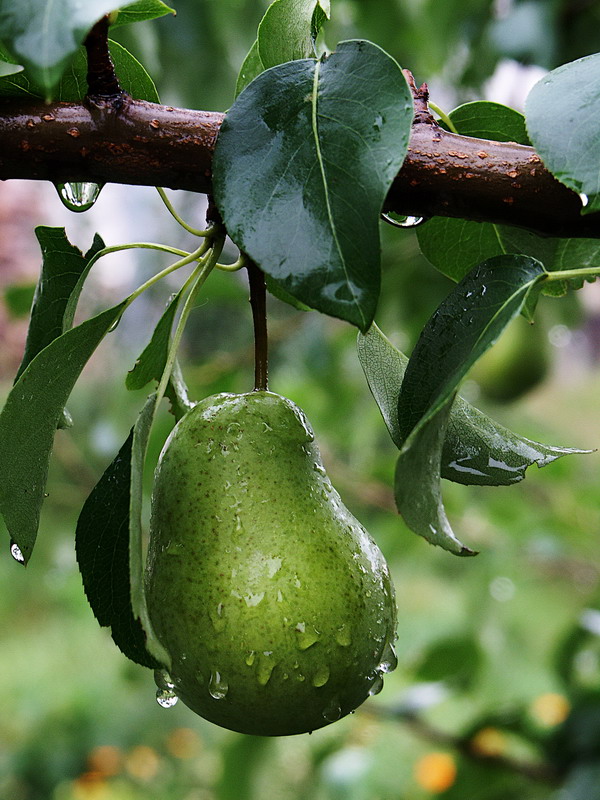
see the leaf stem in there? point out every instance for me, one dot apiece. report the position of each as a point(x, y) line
point(443, 116)
point(187, 259)
point(570, 274)
point(177, 218)
point(258, 302)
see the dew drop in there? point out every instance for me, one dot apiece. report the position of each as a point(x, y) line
point(332, 711)
point(217, 618)
point(389, 659)
point(217, 685)
point(343, 636)
point(306, 636)
point(377, 685)
point(250, 658)
point(166, 699)
point(78, 196)
point(321, 676)
point(265, 667)
point(319, 468)
point(403, 221)
point(16, 553)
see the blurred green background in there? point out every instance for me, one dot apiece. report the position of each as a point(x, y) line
point(499, 656)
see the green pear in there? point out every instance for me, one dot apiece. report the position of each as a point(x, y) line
point(273, 602)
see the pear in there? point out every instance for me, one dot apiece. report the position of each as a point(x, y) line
point(273, 602)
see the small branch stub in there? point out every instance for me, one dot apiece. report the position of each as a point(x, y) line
point(102, 80)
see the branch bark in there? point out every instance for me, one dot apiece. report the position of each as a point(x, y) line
point(136, 142)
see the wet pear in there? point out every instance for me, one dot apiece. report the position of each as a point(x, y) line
point(274, 603)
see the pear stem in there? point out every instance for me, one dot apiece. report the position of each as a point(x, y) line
point(258, 303)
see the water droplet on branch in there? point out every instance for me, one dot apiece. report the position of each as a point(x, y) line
point(403, 221)
point(16, 553)
point(78, 196)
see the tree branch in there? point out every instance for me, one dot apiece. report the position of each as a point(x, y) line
point(149, 144)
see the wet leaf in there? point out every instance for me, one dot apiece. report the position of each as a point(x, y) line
point(477, 450)
point(29, 419)
point(282, 189)
point(564, 101)
point(102, 547)
point(464, 326)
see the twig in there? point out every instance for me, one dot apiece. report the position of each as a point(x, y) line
point(258, 301)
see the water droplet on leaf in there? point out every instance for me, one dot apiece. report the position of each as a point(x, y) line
point(78, 196)
point(389, 659)
point(332, 711)
point(16, 553)
point(377, 685)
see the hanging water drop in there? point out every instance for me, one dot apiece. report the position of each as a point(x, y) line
point(265, 668)
point(16, 553)
point(217, 685)
point(389, 659)
point(165, 694)
point(403, 221)
point(306, 636)
point(377, 685)
point(332, 711)
point(343, 636)
point(78, 196)
point(165, 698)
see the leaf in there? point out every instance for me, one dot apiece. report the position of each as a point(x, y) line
point(286, 32)
point(464, 326)
point(297, 143)
point(563, 122)
point(455, 246)
point(44, 34)
point(9, 69)
point(62, 267)
point(141, 11)
point(487, 120)
point(72, 87)
point(477, 450)
point(29, 419)
point(151, 363)
point(102, 548)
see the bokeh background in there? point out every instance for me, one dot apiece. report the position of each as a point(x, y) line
point(499, 656)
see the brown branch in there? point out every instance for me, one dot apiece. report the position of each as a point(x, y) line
point(101, 76)
point(149, 144)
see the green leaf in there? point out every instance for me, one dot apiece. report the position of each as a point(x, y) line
point(9, 69)
point(29, 419)
point(487, 120)
point(297, 143)
point(62, 266)
point(151, 363)
point(563, 121)
point(477, 450)
point(73, 85)
point(464, 326)
point(102, 547)
point(286, 32)
point(455, 246)
point(141, 11)
point(44, 34)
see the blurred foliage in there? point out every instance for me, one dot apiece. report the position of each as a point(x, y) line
point(499, 656)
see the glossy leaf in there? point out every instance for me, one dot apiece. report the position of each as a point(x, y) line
point(297, 143)
point(455, 246)
point(563, 121)
point(465, 325)
point(286, 32)
point(477, 450)
point(73, 84)
point(102, 547)
point(44, 34)
point(62, 266)
point(29, 419)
